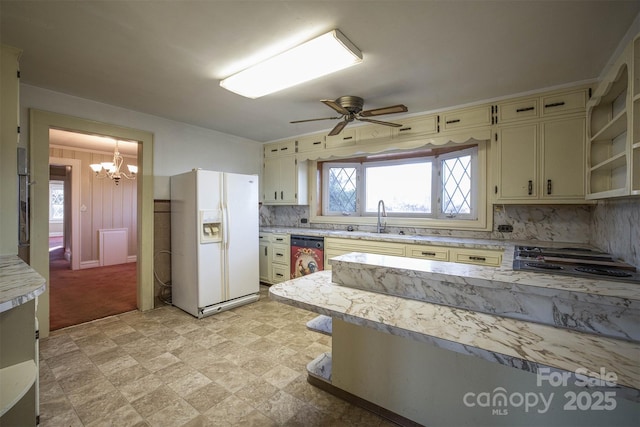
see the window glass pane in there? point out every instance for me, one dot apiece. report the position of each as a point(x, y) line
point(342, 189)
point(456, 185)
point(56, 200)
point(405, 188)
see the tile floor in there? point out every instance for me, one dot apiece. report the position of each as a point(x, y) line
point(246, 366)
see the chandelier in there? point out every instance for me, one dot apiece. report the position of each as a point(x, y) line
point(112, 169)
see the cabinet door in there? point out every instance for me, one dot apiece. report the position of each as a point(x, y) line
point(270, 180)
point(265, 259)
point(564, 103)
point(310, 143)
point(416, 126)
point(288, 185)
point(344, 139)
point(369, 133)
point(563, 160)
point(521, 109)
point(517, 149)
point(470, 117)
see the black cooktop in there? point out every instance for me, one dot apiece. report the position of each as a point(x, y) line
point(532, 258)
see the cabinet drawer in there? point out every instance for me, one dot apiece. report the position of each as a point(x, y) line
point(344, 139)
point(365, 246)
point(470, 117)
point(437, 253)
point(479, 257)
point(310, 143)
point(372, 132)
point(416, 126)
point(280, 273)
point(280, 253)
point(571, 102)
point(280, 238)
point(518, 110)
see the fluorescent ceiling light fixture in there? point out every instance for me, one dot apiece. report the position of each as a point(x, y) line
point(323, 55)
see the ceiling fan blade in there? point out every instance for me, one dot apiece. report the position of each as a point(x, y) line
point(385, 110)
point(338, 128)
point(313, 120)
point(378, 122)
point(333, 104)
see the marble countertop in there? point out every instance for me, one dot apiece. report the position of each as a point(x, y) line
point(19, 283)
point(630, 292)
point(513, 342)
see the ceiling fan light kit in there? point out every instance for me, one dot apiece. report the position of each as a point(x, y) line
point(323, 55)
point(350, 109)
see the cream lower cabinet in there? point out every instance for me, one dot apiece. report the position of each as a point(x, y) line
point(541, 162)
point(264, 257)
point(274, 257)
point(488, 257)
point(280, 258)
point(337, 246)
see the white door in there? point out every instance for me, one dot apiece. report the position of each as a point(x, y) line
point(210, 256)
point(241, 236)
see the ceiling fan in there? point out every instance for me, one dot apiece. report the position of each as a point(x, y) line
point(350, 108)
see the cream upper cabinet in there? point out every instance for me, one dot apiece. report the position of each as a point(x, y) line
point(309, 143)
point(284, 181)
point(563, 103)
point(416, 126)
point(373, 133)
point(563, 164)
point(278, 149)
point(465, 118)
point(541, 162)
point(344, 139)
point(540, 148)
point(517, 161)
point(613, 130)
point(520, 109)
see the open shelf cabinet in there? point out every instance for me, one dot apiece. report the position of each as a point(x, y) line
point(613, 130)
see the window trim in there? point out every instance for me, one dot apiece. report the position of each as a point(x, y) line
point(473, 152)
point(484, 221)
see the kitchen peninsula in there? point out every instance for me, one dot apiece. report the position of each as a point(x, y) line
point(19, 287)
point(426, 340)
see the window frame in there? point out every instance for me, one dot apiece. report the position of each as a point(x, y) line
point(474, 202)
point(437, 185)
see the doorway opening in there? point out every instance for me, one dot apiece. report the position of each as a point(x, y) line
point(40, 125)
point(83, 286)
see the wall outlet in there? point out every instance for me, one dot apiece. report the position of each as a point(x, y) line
point(505, 228)
point(303, 220)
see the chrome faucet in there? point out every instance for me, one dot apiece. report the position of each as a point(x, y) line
point(381, 227)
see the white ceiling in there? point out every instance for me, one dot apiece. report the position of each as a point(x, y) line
point(166, 57)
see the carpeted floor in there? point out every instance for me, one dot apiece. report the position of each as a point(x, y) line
point(83, 295)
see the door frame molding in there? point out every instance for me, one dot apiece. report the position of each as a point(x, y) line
point(75, 206)
point(39, 124)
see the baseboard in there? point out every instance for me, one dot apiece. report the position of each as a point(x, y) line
point(132, 258)
point(364, 404)
point(89, 264)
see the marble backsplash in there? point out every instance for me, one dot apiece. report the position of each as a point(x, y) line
point(615, 228)
point(565, 223)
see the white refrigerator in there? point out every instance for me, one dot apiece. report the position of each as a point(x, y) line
point(214, 241)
